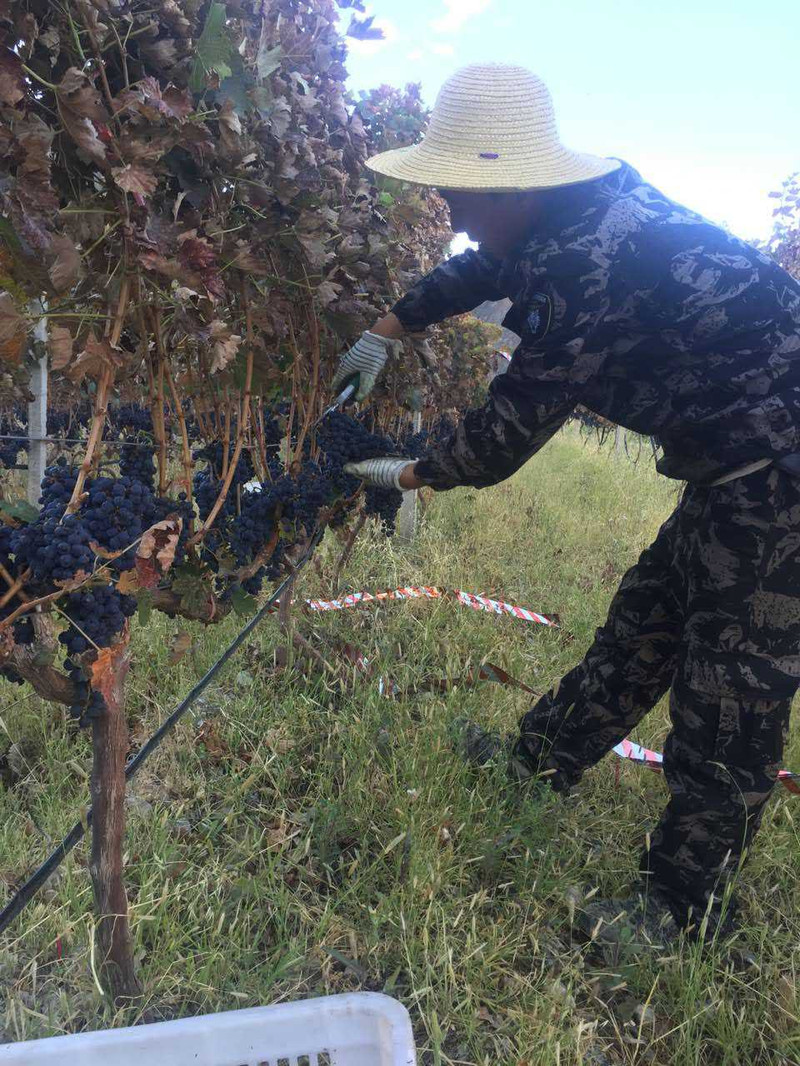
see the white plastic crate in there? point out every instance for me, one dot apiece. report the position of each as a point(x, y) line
point(357, 1029)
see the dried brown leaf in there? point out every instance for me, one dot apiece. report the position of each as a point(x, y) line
point(12, 323)
point(128, 582)
point(12, 82)
point(208, 734)
point(136, 179)
point(327, 292)
point(59, 344)
point(224, 345)
point(94, 359)
point(160, 542)
point(147, 573)
point(178, 647)
point(66, 266)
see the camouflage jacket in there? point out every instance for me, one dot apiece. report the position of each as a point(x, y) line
point(643, 312)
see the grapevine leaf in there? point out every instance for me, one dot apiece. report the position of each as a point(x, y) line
point(193, 590)
point(66, 267)
point(12, 82)
point(363, 29)
point(160, 542)
point(19, 510)
point(147, 574)
point(60, 346)
point(135, 179)
point(12, 330)
point(224, 344)
point(95, 357)
point(242, 602)
point(268, 60)
point(128, 582)
point(213, 50)
point(178, 647)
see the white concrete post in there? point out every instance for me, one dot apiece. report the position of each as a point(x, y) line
point(407, 517)
point(37, 413)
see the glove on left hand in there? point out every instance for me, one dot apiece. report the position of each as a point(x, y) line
point(385, 473)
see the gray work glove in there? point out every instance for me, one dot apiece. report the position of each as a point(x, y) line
point(365, 360)
point(385, 473)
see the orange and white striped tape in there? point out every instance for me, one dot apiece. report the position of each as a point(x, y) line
point(626, 749)
point(431, 592)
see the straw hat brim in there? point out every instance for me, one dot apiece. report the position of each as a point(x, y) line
point(421, 166)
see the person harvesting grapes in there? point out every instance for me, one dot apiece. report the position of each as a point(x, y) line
point(646, 314)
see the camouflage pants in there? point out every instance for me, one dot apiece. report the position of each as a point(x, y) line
point(712, 612)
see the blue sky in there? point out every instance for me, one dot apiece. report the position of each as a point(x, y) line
point(701, 96)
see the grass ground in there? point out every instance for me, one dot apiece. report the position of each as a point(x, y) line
point(294, 838)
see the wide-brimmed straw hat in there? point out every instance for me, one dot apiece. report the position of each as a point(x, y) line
point(492, 129)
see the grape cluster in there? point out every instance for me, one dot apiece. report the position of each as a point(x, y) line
point(56, 546)
point(12, 425)
point(418, 445)
point(138, 464)
point(134, 427)
point(116, 513)
point(57, 423)
point(98, 613)
point(89, 703)
point(6, 533)
point(344, 440)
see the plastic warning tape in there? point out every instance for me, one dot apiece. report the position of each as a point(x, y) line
point(430, 592)
point(626, 749)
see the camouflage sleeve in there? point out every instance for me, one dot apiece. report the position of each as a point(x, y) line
point(458, 285)
point(543, 384)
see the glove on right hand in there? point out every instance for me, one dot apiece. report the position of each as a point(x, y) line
point(366, 359)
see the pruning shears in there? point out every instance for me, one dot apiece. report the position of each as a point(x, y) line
point(340, 401)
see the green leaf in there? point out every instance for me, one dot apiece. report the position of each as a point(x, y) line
point(213, 50)
point(268, 60)
point(242, 602)
point(386, 199)
point(262, 97)
point(20, 510)
point(192, 587)
point(144, 601)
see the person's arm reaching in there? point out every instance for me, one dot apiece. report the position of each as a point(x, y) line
point(490, 443)
point(458, 285)
point(532, 400)
point(541, 387)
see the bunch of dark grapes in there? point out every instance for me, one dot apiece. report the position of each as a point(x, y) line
point(137, 462)
point(98, 613)
point(253, 528)
point(418, 445)
point(116, 512)
point(89, 703)
point(55, 547)
point(208, 480)
point(6, 532)
point(344, 440)
point(58, 423)
point(134, 428)
point(12, 425)
point(384, 505)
